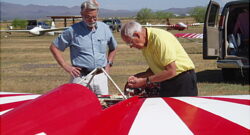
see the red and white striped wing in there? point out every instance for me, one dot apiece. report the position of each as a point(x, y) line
point(10, 100)
point(195, 24)
point(176, 116)
point(191, 115)
point(62, 111)
point(217, 115)
point(189, 35)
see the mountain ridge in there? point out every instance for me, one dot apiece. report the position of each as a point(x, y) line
point(32, 11)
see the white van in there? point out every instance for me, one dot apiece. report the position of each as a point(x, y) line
point(226, 38)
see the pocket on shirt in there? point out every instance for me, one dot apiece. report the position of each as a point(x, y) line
point(102, 45)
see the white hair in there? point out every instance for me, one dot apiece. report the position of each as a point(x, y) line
point(89, 5)
point(130, 28)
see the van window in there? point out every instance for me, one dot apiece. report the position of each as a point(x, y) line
point(212, 21)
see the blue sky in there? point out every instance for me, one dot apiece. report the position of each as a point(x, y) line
point(121, 4)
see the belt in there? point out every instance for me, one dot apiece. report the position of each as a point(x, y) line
point(85, 71)
point(182, 73)
point(188, 71)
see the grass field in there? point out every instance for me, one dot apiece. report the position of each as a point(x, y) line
point(28, 66)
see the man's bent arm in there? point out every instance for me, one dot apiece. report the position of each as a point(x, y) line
point(111, 55)
point(57, 55)
point(147, 73)
point(74, 71)
point(168, 73)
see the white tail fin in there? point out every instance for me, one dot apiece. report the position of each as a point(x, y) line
point(53, 25)
point(10, 27)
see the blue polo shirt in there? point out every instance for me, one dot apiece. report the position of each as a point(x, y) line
point(88, 48)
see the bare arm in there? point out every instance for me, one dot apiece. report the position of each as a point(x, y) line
point(111, 56)
point(147, 73)
point(73, 71)
point(168, 73)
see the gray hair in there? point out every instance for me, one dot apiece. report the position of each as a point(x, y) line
point(89, 5)
point(130, 28)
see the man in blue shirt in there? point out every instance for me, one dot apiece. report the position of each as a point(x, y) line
point(89, 42)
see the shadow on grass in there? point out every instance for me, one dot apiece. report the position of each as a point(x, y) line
point(210, 76)
point(215, 76)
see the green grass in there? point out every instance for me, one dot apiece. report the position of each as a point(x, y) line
point(28, 66)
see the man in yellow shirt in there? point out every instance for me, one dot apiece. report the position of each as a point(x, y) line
point(168, 62)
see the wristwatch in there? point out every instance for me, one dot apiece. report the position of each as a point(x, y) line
point(110, 63)
point(148, 81)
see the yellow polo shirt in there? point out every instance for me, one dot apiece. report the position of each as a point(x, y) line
point(162, 49)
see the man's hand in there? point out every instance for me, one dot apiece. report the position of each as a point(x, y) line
point(135, 82)
point(73, 71)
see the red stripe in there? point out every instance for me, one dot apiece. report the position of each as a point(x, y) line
point(187, 35)
point(202, 122)
point(8, 106)
point(180, 34)
point(192, 35)
point(10, 95)
point(117, 119)
point(238, 101)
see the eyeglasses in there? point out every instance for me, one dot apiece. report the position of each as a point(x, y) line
point(90, 17)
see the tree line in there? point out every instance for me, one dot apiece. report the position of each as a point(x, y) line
point(147, 15)
point(143, 16)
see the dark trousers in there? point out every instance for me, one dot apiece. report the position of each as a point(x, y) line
point(183, 84)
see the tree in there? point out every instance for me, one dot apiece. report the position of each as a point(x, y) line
point(159, 15)
point(19, 23)
point(198, 14)
point(144, 15)
point(162, 15)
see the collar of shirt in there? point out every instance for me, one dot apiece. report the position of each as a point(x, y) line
point(86, 26)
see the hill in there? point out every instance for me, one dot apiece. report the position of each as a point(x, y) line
point(38, 12)
point(41, 12)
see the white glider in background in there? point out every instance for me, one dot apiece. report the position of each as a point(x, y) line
point(38, 30)
point(179, 26)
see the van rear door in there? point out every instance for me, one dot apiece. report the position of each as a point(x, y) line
point(211, 31)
